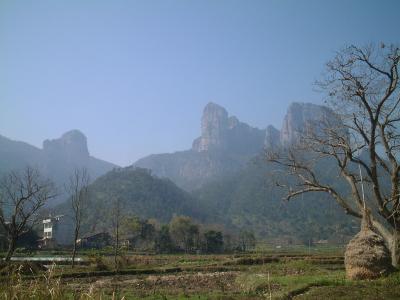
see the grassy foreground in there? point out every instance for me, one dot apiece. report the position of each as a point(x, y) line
point(256, 276)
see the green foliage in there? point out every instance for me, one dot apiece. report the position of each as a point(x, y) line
point(250, 200)
point(163, 241)
point(214, 241)
point(140, 194)
point(28, 239)
point(184, 233)
point(247, 240)
point(139, 232)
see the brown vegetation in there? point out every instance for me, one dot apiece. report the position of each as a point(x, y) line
point(366, 255)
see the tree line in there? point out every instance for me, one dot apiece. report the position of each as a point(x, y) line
point(181, 234)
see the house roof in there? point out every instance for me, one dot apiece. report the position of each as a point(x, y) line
point(90, 235)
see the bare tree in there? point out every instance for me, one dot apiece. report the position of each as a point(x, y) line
point(22, 195)
point(363, 140)
point(77, 190)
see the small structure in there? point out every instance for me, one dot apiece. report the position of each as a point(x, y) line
point(95, 240)
point(321, 242)
point(57, 232)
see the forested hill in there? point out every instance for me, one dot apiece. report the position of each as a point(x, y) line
point(139, 193)
point(251, 200)
point(246, 200)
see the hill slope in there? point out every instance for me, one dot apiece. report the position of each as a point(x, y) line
point(251, 200)
point(139, 193)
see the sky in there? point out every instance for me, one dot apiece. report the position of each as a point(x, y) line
point(134, 76)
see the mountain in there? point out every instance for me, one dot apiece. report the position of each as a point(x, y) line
point(234, 185)
point(224, 147)
point(16, 155)
point(299, 117)
point(139, 193)
point(230, 180)
point(61, 156)
point(56, 160)
point(251, 200)
point(219, 132)
point(226, 144)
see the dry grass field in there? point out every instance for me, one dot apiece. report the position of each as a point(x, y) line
point(243, 276)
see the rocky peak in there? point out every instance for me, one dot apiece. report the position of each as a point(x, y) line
point(233, 122)
point(298, 117)
point(219, 131)
point(214, 124)
point(72, 144)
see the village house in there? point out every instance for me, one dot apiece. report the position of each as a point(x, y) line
point(95, 240)
point(57, 232)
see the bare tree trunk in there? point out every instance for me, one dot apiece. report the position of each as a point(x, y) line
point(392, 239)
point(75, 247)
point(73, 256)
point(78, 191)
point(394, 248)
point(12, 242)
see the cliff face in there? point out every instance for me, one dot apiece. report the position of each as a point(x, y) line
point(222, 133)
point(214, 128)
point(301, 116)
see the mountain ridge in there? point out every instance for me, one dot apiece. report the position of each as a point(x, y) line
point(56, 160)
point(226, 144)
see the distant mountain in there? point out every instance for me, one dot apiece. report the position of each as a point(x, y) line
point(230, 181)
point(234, 185)
point(57, 160)
point(224, 147)
point(16, 155)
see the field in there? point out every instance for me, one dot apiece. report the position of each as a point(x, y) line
point(263, 275)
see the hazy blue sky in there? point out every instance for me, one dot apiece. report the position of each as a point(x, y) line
point(134, 76)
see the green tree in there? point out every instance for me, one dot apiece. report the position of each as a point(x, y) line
point(140, 233)
point(184, 233)
point(247, 240)
point(163, 241)
point(214, 242)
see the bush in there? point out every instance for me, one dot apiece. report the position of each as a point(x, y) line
point(98, 263)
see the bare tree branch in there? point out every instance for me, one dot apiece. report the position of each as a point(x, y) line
point(22, 195)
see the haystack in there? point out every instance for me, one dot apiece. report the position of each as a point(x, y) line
point(367, 256)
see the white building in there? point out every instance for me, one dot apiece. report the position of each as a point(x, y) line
point(57, 232)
